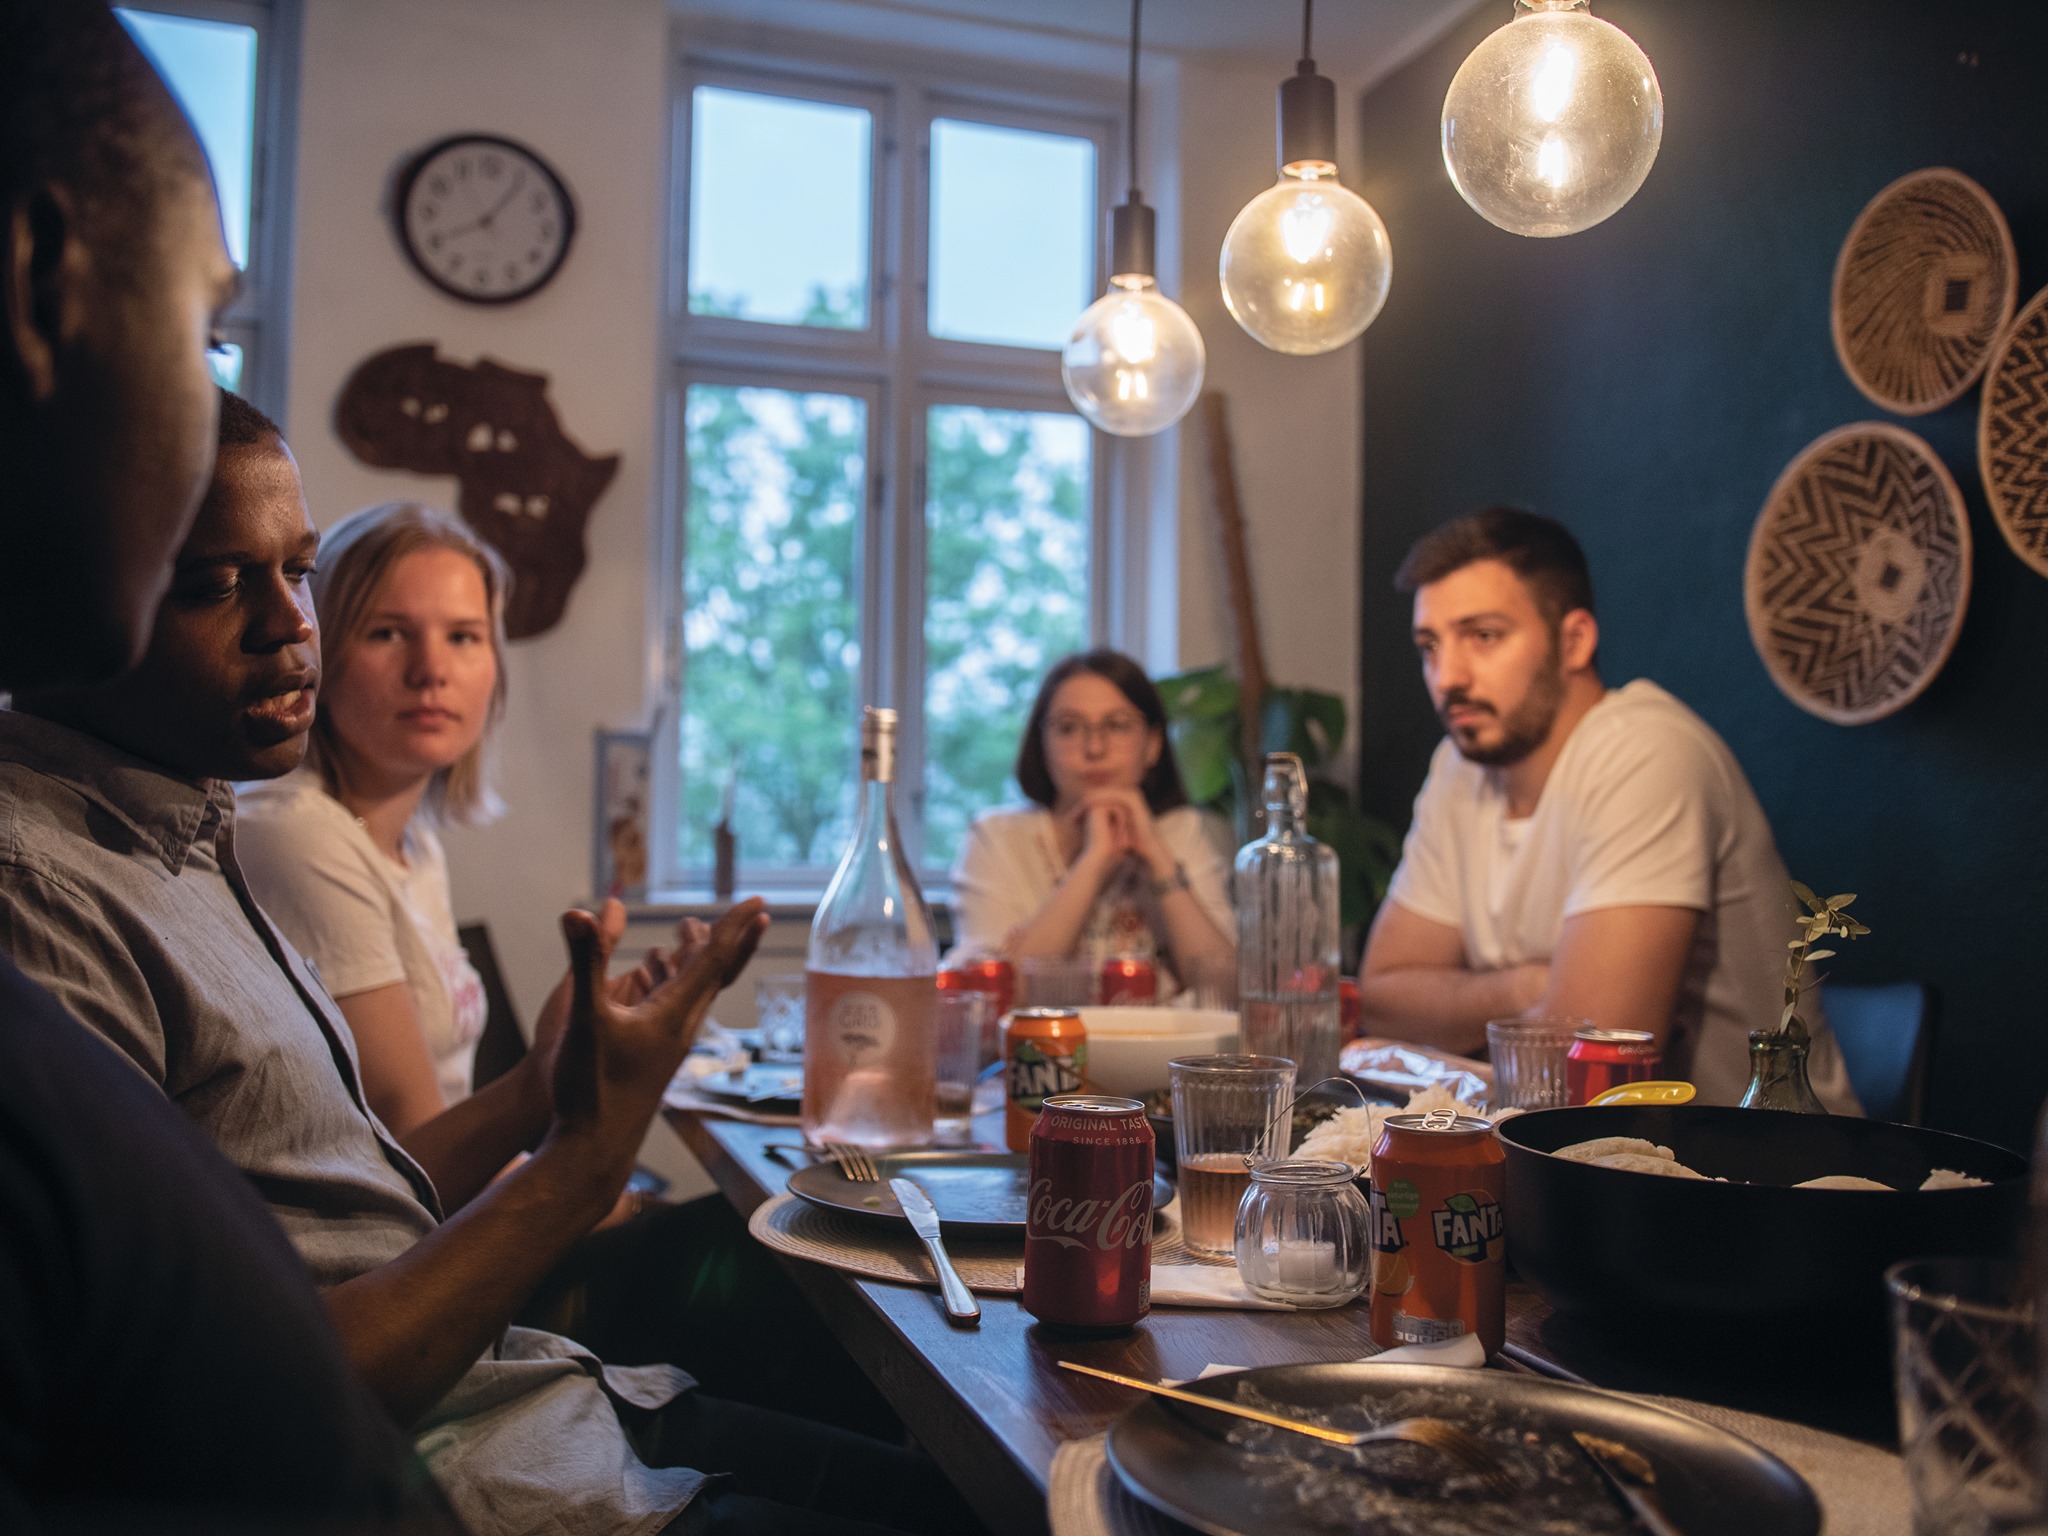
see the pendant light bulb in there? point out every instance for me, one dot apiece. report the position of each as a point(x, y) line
point(1134, 363)
point(1553, 122)
point(1307, 263)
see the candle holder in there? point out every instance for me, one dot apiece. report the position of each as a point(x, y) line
point(1302, 1232)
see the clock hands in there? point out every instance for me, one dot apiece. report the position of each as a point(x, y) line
point(484, 221)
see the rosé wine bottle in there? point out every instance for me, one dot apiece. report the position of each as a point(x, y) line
point(870, 1045)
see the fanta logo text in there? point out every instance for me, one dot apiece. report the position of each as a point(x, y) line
point(1123, 1222)
point(1036, 1077)
point(1468, 1225)
point(1386, 1228)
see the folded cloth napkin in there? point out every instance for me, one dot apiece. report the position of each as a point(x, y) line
point(1207, 1285)
point(1084, 1498)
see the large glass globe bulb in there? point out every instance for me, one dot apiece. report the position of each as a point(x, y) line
point(1135, 361)
point(1553, 122)
point(1306, 265)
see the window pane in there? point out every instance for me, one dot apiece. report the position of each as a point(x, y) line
point(779, 209)
point(211, 67)
point(226, 361)
point(1013, 234)
point(1006, 519)
point(771, 621)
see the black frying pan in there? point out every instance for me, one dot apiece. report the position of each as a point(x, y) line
point(1756, 1262)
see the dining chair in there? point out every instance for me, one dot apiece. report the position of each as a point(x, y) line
point(503, 1043)
point(1887, 1037)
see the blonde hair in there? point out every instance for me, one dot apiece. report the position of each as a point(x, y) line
point(356, 555)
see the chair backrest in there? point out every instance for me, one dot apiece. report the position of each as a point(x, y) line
point(503, 1044)
point(1886, 1035)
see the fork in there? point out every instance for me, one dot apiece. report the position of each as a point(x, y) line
point(1440, 1435)
point(853, 1162)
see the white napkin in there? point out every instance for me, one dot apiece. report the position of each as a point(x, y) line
point(1207, 1285)
point(1465, 1351)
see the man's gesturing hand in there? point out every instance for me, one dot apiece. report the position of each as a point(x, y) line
point(617, 1056)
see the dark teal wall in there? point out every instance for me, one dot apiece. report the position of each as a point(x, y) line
point(1647, 380)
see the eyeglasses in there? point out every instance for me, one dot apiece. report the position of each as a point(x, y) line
point(1073, 731)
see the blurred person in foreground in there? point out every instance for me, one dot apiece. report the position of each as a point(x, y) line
point(121, 890)
point(1110, 859)
point(1578, 851)
point(165, 1363)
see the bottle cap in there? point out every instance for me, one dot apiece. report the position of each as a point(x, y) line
point(878, 744)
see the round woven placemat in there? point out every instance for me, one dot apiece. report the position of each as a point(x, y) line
point(1858, 573)
point(1925, 283)
point(804, 1231)
point(2012, 434)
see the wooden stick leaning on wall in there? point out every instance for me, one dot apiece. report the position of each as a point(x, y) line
point(1237, 581)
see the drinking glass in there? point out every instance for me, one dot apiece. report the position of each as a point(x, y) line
point(1211, 982)
point(1528, 1060)
point(1056, 982)
point(965, 1048)
point(1301, 1233)
point(779, 1009)
point(1225, 1109)
point(1963, 1337)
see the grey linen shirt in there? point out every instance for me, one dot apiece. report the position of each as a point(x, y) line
point(119, 892)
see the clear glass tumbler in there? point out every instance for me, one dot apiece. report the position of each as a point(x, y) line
point(1963, 1340)
point(1528, 1060)
point(965, 1039)
point(1301, 1233)
point(779, 1011)
point(1226, 1109)
point(1057, 982)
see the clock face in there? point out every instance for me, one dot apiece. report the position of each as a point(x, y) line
point(484, 219)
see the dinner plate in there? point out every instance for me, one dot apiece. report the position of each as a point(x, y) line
point(1230, 1477)
point(762, 1084)
point(978, 1194)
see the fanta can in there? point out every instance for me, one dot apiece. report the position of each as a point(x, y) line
point(1045, 1052)
point(1439, 1233)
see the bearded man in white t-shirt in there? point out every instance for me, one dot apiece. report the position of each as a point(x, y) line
point(1577, 850)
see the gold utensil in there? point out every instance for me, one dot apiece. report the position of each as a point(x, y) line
point(1631, 1476)
point(1440, 1435)
point(1645, 1093)
point(853, 1162)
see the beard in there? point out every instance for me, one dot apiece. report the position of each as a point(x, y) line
point(1525, 728)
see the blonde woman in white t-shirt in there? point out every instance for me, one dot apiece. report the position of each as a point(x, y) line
point(343, 853)
point(1110, 859)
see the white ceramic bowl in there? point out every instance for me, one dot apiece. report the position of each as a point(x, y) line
point(1128, 1048)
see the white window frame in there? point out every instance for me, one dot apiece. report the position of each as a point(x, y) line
point(259, 321)
point(893, 363)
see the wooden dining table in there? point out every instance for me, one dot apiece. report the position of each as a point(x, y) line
point(991, 1405)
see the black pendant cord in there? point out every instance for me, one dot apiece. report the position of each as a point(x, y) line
point(1131, 194)
point(1308, 12)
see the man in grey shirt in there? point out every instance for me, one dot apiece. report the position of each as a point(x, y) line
point(119, 891)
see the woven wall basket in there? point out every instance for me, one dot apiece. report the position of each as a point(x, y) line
point(1858, 573)
point(1925, 284)
point(2012, 434)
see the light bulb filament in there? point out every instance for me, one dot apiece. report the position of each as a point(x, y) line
point(1550, 91)
point(1554, 160)
point(1134, 337)
point(1305, 228)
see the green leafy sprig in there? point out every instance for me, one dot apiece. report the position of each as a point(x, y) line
point(1823, 919)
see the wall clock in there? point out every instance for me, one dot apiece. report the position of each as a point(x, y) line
point(483, 218)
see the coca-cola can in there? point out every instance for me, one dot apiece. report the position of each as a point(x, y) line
point(1128, 982)
point(1601, 1059)
point(1088, 1224)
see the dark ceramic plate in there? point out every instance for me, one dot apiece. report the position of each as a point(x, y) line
point(978, 1194)
point(1230, 1477)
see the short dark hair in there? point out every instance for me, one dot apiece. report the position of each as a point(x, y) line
point(79, 104)
point(1162, 787)
point(1538, 549)
point(242, 425)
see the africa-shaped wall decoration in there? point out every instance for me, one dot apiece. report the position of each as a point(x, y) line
point(524, 486)
point(2012, 434)
point(1925, 283)
point(1858, 573)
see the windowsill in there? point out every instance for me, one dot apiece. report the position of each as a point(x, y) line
point(783, 901)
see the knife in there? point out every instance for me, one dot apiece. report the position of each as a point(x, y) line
point(1632, 1478)
point(924, 1221)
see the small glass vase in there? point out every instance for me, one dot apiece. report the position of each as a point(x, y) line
point(1777, 1075)
point(1302, 1230)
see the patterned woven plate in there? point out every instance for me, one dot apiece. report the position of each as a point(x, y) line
point(2012, 434)
point(1858, 573)
point(1925, 283)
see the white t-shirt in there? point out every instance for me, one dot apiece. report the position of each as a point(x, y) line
point(1011, 862)
point(1646, 806)
point(365, 920)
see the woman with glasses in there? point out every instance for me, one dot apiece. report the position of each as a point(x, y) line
point(1111, 860)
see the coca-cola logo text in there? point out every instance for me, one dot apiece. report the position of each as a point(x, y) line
point(1123, 1222)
